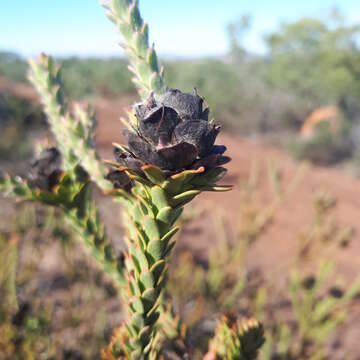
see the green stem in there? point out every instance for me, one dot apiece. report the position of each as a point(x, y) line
point(135, 33)
point(86, 223)
point(74, 132)
point(150, 216)
point(153, 206)
point(15, 188)
point(83, 218)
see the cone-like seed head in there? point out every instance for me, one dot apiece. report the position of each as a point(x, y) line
point(236, 339)
point(45, 171)
point(172, 133)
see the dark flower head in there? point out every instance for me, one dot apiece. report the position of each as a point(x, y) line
point(309, 282)
point(172, 133)
point(45, 171)
point(336, 292)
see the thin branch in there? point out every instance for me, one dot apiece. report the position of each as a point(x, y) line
point(144, 65)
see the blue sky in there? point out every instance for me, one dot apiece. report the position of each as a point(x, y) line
point(179, 27)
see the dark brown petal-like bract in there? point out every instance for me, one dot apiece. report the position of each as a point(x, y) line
point(119, 179)
point(45, 171)
point(173, 133)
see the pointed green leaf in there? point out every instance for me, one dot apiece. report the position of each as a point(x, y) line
point(136, 177)
point(134, 17)
point(142, 260)
point(145, 72)
point(155, 248)
point(159, 197)
point(149, 294)
point(184, 197)
point(147, 279)
point(147, 349)
point(143, 239)
point(134, 258)
point(210, 177)
point(155, 82)
point(120, 6)
point(122, 194)
point(169, 248)
point(170, 234)
point(137, 214)
point(157, 269)
point(136, 263)
point(137, 290)
point(176, 182)
point(138, 321)
point(132, 289)
point(151, 59)
point(131, 330)
point(152, 317)
point(145, 335)
point(140, 43)
point(144, 206)
point(153, 173)
point(151, 228)
point(137, 305)
point(168, 215)
point(137, 353)
point(217, 188)
point(148, 299)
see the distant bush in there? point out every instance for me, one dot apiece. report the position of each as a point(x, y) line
point(310, 63)
point(12, 66)
point(216, 80)
point(316, 59)
point(84, 77)
point(17, 118)
point(324, 147)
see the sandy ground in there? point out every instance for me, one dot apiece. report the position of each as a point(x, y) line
point(294, 215)
point(277, 247)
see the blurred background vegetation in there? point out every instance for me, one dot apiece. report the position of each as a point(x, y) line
point(303, 96)
point(310, 64)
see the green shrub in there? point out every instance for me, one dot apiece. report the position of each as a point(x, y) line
point(12, 66)
point(84, 77)
point(18, 117)
point(324, 147)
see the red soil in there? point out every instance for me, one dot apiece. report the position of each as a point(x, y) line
point(277, 247)
point(294, 215)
